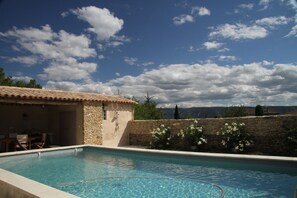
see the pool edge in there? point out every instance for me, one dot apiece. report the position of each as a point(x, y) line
point(203, 154)
point(17, 186)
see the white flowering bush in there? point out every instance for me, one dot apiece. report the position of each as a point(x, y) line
point(193, 136)
point(161, 137)
point(235, 137)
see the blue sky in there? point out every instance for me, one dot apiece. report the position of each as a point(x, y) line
point(189, 53)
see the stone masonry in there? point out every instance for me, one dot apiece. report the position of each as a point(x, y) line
point(92, 123)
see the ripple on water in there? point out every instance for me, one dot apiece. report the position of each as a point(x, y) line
point(142, 187)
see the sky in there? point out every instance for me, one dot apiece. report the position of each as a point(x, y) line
point(190, 53)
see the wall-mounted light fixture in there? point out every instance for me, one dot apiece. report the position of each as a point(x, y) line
point(25, 116)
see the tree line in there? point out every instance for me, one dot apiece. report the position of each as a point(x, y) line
point(9, 81)
point(147, 110)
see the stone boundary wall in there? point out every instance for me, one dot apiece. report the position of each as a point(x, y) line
point(268, 131)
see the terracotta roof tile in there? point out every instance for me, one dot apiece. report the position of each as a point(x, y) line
point(57, 95)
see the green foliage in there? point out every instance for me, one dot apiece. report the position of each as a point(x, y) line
point(161, 137)
point(193, 136)
point(8, 81)
point(235, 111)
point(259, 110)
point(235, 137)
point(147, 110)
point(176, 113)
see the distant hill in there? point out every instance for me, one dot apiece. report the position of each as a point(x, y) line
point(212, 112)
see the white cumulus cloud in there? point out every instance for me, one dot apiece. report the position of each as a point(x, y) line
point(189, 18)
point(101, 57)
point(31, 34)
point(64, 71)
point(273, 21)
point(201, 11)
point(264, 4)
point(212, 45)
point(27, 60)
point(225, 49)
point(210, 84)
point(130, 60)
point(63, 52)
point(103, 23)
point(248, 6)
point(22, 78)
point(181, 19)
point(95, 87)
point(227, 58)
point(265, 62)
point(293, 32)
point(51, 45)
point(243, 7)
point(239, 31)
point(145, 64)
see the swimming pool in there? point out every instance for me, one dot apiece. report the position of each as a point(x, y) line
point(105, 172)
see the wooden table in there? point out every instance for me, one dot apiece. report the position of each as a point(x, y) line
point(32, 138)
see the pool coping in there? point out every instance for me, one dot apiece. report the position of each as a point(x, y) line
point(13, 185)
point(25, 187)
point(204, 154)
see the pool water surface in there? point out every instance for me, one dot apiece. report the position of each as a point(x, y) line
point(95, 172)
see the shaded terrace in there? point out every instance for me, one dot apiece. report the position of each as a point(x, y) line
point(60, 114)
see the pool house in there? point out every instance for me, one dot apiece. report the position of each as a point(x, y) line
point(68, 118)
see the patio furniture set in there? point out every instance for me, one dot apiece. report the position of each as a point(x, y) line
point(15, 142)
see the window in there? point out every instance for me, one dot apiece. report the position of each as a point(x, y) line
point(104, 111)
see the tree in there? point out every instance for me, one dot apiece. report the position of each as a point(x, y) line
point(176, 113)
point(148, 98)
point(9, 81)
point(235, 111)
point(147, 110)
point(259, 110)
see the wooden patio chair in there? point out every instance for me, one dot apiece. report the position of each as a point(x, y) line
point(21, 142)
point(41, 144)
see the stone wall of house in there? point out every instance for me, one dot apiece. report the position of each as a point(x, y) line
point(269, 131)
point(92, 123)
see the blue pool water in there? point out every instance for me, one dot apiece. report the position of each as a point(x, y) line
point(97, 172)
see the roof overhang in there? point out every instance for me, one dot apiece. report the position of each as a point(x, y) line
point(42, 96)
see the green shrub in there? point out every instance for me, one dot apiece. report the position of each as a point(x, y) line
point(193, 136)
point(259, 110)
point(161, 137)
point(235, 137)
point(235, 111)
